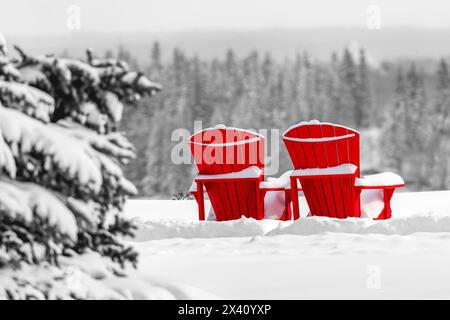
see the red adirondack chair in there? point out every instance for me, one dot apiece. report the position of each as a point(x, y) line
point(326, 161)
point(230, 162)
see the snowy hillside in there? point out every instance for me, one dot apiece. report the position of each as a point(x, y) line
point(406, 257)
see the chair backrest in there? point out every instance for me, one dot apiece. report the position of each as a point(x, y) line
point(225, 150)
point(320, 145)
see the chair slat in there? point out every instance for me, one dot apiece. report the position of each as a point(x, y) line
point(319, 199)
point(331, 151)
point(322, 161)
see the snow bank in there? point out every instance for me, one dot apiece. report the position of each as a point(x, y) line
point(244, 227)
point(406, 226)
point(89, 277)
point(164, 229)
point(312, 258)
point(412, 212)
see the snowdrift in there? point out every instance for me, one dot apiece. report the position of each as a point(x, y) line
point(167, 229)
point(412, 212)
point(312, 258)
point(89, 276)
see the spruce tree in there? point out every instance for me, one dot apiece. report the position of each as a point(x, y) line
point(440, 120)
point(363, 110)
point(62, 188)
point(395, 130)
point(350, 114)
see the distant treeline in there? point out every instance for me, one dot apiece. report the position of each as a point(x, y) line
point(409, 106)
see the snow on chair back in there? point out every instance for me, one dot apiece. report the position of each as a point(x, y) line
point(314, 145)
point(231, 153)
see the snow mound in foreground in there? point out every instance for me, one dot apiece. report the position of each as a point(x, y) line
point(404, 226)
point(164, 229)
point(88, 277)
point(244, 227)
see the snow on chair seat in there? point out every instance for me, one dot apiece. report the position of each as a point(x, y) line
point(252, 172)
point(326, 160)
point(342, 169)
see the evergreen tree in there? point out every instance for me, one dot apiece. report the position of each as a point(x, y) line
point(350, 113)
point(363, 110)
point(156, 63)
point(62, 188)
point(418, 128)
point(440, 120)
point(396, 129)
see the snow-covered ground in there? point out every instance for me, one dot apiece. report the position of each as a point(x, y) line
point(406, 257)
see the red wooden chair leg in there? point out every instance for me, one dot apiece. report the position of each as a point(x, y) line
point(201, 201)
point(287, 203)
point(358, 192)
point(259, 204)
point(387, 195)
point(294, 198)
point(262, 196)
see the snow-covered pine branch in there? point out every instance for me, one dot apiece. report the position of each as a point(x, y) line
point(90, 93)
point(62, 159)
point(29, 100)
point(7, 163)
point(114, 144)
point(8, 71)
point(24, 201)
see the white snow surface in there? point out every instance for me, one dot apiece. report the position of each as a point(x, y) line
point(314, 257)
point(247, 173)
point(90, 277)
point(380, 179)
point(346, 168)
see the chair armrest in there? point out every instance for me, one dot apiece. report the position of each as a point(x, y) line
point(279, 184)
point(385, 180)
point(346, 169)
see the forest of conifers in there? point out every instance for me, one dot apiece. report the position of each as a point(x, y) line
point(403, 105)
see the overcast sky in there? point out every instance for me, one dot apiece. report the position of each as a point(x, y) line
point(124, 16)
